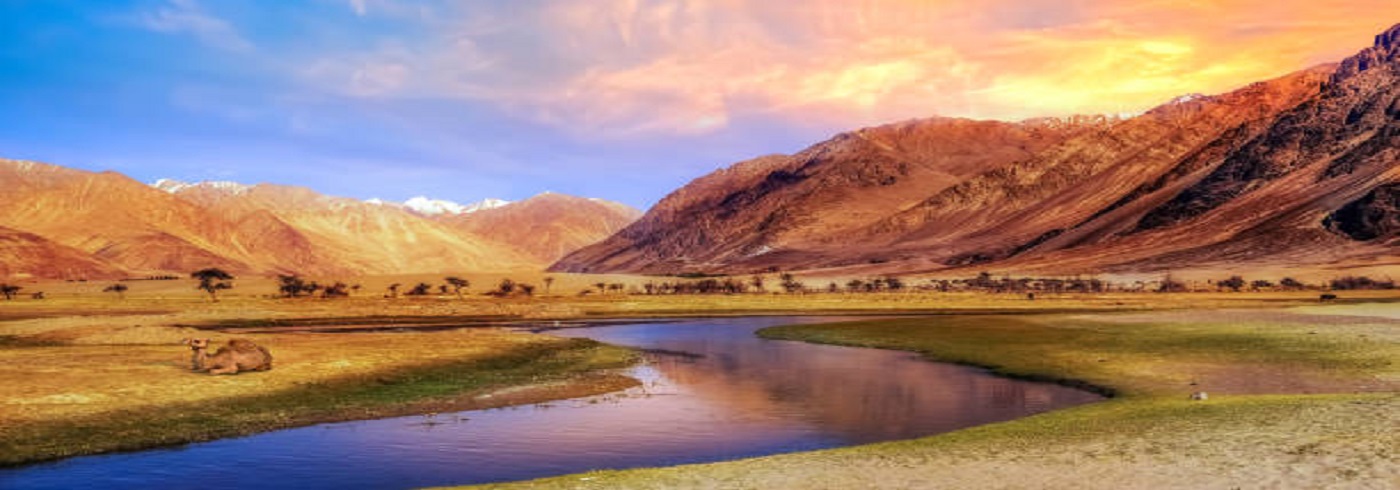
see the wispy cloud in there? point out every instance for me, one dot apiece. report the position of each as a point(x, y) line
point(623, 67)
point(187, 17)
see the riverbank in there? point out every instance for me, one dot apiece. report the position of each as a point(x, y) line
point(1298, 398)
point(128, 389)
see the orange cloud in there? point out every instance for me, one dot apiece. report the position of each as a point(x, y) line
point(632, 67)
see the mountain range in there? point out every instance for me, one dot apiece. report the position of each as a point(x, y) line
point(1297, 170)
point(67, 223)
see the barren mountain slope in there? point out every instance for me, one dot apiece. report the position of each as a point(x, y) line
point(294, 228)
point(548, 226)
point(960, 192)
point(29, 255)
point(118, 220)
point(769, 210)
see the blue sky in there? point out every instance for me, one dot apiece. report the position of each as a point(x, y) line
point(619, 99)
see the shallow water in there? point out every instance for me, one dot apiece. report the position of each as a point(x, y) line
point(712, 391)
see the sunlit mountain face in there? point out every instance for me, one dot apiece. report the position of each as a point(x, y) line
point(1296, 171)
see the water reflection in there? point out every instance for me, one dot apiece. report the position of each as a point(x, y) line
point(852, 395)
point(712, 391)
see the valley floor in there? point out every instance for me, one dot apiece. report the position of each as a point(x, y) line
point(1298, 398)
point(1301, 394)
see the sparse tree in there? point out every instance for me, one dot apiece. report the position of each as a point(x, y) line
point(9, 290)
point(791, 284)
point(548, 283)
point(1291, 283)
point(290, 285)
point(443, 289)
point(118, 288)
point(757, 282)
point(602, 287)
point(1360, 282)
point(422, 289)
point(616, 288)
point(212, 280)
point(336, 290)
point(983, 281)
point(458, 284)
point(894, 283)
point(1170, 285)
point(1260, 285)
point(393, 290)
point(1234, 283)
point(855, 285)
point(506, 288)
point(527, 289)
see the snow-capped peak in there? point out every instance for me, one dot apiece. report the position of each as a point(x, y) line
point(484, 204)
point(424, 205)
point(432, 207)
point(173, 186)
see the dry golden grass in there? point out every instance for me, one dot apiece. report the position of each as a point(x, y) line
point(39, 383)
point(66, 381)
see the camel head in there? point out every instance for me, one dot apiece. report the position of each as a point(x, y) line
point(196, 344)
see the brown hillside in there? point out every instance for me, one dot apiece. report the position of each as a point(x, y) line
point(1294, 170)
point(548, 226)
point(25, 255)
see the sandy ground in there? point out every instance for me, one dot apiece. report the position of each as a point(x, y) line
point(1308, 446)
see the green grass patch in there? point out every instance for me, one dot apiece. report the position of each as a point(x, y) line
point(1123, 358)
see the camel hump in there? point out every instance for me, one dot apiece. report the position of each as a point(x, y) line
point(244, 345)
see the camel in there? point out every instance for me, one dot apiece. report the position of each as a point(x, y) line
point(239, 355)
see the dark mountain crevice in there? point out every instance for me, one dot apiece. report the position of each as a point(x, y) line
point(1375, 216)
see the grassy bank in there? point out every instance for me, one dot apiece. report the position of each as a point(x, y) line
point(68, 400)
point(1297, 400)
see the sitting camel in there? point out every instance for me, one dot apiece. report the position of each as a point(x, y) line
point(238, 355)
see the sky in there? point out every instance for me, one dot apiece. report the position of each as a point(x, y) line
point(618, 99)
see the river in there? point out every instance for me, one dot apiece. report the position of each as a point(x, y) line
point(711, 391)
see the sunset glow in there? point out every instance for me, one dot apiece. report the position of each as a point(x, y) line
point(494, 94)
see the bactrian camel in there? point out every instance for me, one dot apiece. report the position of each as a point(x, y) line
point(239, 355)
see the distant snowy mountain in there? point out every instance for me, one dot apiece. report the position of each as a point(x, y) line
point(424, 205)
point(434, 207)
point(174, 186)
point(104, 225)
point(484, 204)
point(421, 205)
